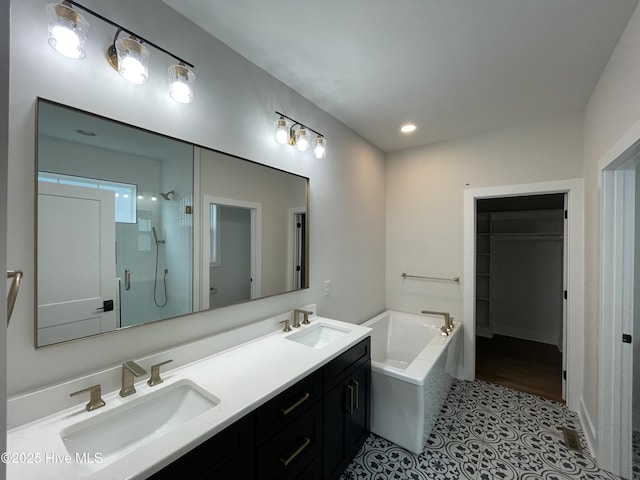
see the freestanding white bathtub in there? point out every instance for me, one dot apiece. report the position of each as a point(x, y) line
point(412, 369)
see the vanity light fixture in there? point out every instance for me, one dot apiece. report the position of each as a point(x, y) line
point(128, 55)
point(297, 135)
point(320, 149)
point(130, 58)
point(67, 30)
point(282, 132)
point(181, 83)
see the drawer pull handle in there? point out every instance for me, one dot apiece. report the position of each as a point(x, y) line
point(357, 393)
point(349, 406)
point(299, 450)
point(287, 411)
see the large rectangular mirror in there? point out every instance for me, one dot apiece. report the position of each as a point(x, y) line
point(120, 209)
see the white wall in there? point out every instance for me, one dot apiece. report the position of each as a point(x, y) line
point(611, 125)
point(233, 111)
point(4, 140)
point(272, 189)
point(425, 190)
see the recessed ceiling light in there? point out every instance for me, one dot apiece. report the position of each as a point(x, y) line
point(408, 128)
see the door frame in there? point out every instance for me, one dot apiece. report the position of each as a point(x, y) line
point(617, 231)
point(574, 190)
point(256, 245)
point(291, 244)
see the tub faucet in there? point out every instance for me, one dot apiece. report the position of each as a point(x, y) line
point(130, 370)
point(447, 328)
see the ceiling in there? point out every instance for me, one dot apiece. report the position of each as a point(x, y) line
point(452, 67)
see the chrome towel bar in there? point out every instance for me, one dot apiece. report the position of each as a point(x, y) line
point(13, 291)
point(454, 279)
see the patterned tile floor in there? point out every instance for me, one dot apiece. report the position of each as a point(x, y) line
point(485, 432)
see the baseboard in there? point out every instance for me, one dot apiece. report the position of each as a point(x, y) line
point(588, 428)
point(526, 334)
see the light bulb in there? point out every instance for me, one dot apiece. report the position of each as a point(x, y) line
point(67, 31)
point(320, 150)
point(282, 133)
point(408, 128)
point(133, 60)
point(181, 80)
point(302, 139)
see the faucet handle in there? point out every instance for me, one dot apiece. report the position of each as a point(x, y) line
point(95, 399)
point(296, 320)
point(287, 327)
point(154, 378)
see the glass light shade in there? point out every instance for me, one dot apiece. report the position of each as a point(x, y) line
point(302, 139)
point(282, 132)
point(181, 81)
point(320, 149)
point(133, 60)
point(67, 30)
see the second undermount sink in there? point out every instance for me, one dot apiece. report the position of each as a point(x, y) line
point(318, 335)
point(118, 432)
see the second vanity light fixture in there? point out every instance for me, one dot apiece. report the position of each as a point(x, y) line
point(128, 55)
point(300, 137)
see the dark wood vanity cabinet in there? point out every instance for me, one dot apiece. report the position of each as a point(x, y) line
point(347, 408)
point(311, 431)
point(225, 456)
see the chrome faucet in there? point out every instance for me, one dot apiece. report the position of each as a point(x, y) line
point(130, 370)
point(296, 318)
point(447, 328)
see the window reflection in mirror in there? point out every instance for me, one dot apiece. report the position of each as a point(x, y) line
point(116, 216)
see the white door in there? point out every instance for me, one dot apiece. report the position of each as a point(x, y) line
point(76, 262)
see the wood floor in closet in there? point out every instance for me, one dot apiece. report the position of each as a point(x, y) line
point(522, 365)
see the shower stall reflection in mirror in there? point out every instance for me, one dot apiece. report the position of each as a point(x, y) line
point(231, 242)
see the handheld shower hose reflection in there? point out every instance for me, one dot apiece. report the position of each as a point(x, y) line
point(155, 278)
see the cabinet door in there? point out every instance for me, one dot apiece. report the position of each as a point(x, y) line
point(346, 420)
point(227, 455)
point(358, 421)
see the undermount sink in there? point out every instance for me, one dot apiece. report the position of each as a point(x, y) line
point(118, 432)
point(318, 336)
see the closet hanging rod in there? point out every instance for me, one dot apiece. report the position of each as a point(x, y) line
point(454, 279)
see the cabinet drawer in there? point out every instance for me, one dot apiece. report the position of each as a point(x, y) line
point(341, 366)
point(293, 448)
point(279, 412)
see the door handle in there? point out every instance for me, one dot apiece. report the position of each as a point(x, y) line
point(107, 306)
point(127, 279)
point(350, 398)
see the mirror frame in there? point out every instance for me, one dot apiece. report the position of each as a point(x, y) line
point(196, 211)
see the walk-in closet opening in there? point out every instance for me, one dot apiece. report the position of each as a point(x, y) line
point(520, 292)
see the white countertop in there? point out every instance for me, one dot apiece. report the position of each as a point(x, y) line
point(242, 377)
